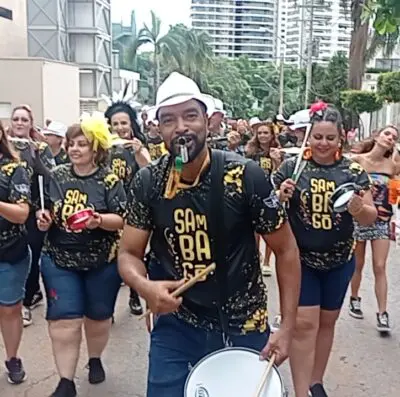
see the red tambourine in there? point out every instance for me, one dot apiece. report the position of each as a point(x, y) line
point(77, 221)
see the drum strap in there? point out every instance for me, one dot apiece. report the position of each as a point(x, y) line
point(217, 229)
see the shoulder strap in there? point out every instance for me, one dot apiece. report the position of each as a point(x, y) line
point(217, 232)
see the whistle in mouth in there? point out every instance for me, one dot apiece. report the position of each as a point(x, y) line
point(184, 154)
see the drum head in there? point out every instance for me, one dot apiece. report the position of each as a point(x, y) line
point(232, 372)
point(343, 199)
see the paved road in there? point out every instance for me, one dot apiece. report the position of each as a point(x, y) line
point(363, 364)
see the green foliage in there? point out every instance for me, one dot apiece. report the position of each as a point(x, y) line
point(386, 15)
point(389, 86)
point(329, 82)
point(225, 81)
point(361, 101)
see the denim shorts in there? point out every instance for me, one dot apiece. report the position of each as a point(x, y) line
point(325, 288)
point(177, 346)
point(75, 294)
point(12, 280)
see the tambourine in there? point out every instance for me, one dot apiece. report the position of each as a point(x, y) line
point(342, 195)
point(77, 221)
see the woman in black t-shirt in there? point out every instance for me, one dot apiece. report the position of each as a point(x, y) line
point(79, 266)
point(263, 149)
point(127, 159)
point(36, 156)
point(325, 239)
point(15, 257)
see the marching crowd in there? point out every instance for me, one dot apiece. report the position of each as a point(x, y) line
point(168, 194)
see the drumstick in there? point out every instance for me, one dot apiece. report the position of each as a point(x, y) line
point(187, 285)
point(265, 376)
point(302, 149)
point(41, 192)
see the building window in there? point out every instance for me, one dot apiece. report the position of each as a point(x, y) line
point(6, 13)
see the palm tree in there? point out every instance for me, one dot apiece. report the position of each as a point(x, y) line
point(167, 46)
point(197, 55)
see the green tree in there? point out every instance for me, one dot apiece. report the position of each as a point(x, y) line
point(196, 55)
point(164, 46)
point(225, 81)
point(363, 46)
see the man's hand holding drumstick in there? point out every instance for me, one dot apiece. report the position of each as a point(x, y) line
point(159, 297)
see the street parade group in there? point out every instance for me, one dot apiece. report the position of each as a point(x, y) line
point(173, 201)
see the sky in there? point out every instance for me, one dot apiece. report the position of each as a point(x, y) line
point(169, 11)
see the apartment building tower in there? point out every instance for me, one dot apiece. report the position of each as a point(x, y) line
point(238, 27)
point(331, 29)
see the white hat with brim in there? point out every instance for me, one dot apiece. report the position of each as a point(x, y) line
point(178, 89)
point(55, 128)
point(254, 121)
point(300, 119)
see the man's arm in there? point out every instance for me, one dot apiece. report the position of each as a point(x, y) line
point(130, 257)
point(284, 246)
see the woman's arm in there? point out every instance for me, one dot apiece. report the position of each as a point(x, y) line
point(363, 209)
point(142, 157)
point(14, 213)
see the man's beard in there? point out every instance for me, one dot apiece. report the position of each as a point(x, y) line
point(192, 143)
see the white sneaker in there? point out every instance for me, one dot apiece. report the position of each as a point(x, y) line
point(266, 270)
point(26, 316)
point(276, 325)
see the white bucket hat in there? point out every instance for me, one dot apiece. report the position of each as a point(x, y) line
point(254, 121)
point(178, 89)
point(55, 128)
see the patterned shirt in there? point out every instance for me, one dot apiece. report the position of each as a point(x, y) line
point(156, 147)
point(324, 237)
point(123, 164)
point(264, 161)
point(14, 188)
point(69, 193)
point(181, 240)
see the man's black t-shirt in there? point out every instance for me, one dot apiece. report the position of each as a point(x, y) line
point(15, 189)
point(324, 237)
point(61, 157)
point(181, 242)
point(68, 193)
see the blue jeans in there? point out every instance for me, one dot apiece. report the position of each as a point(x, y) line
point(12, 281)
point(326, 289)
point(176, 346)
point(75, 294)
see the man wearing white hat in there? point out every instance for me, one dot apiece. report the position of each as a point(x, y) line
point(177, 201)
point(55, 135)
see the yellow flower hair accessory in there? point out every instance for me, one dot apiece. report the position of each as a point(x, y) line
point(96, 131)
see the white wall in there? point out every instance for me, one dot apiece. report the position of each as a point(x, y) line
point(14, 34)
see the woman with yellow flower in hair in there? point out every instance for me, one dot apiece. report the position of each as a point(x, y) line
point(79, 259)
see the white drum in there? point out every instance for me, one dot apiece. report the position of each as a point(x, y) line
point(232, 372)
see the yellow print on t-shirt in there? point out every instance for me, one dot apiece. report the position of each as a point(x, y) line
point(321, 192)
point(118, 167)
point(266, 163)
point(74, 201)
point(194, 244)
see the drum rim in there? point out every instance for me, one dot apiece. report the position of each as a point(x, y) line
point(346, 187)
point(246, 349)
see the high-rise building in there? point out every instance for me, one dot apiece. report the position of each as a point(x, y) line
point(238, 27)
point(331, 29)
point(13, 39)
point(75, 31)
